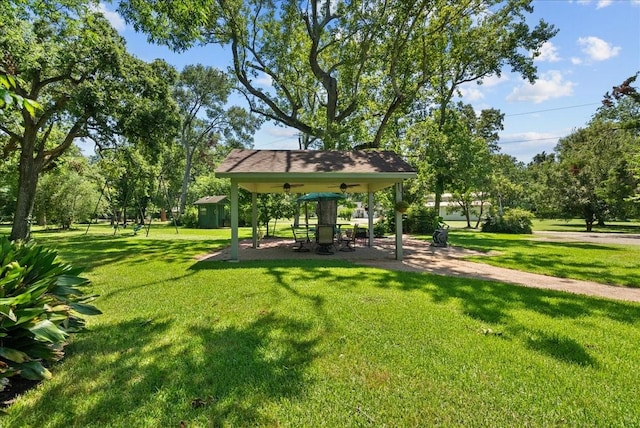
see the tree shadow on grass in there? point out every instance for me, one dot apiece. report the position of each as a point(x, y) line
point(90, 251)
point(488, 302)
point(562, 348)
point(134, 376)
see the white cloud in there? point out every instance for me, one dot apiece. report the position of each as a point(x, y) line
point(601, 3)
point(494, 80)
point(525, 145)
point(550, 85)
point(548, 53)
point(264, 80)
point(113, 17)
point(471, 93)
point(597, 49)
point(576, 61)
point(282, 132)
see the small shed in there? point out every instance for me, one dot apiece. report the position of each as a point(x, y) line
point(212, 213)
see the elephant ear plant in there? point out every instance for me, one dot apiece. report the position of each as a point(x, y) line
point(41, 303)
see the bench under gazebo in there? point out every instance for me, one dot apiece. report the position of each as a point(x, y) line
point(304, 171)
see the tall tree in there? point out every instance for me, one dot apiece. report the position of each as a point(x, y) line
point(455, 149)
point(201, 93)
point(623, 105)
point(542, 176)
point(342, 71)
point(75, 65)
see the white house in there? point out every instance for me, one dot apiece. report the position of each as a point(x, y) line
point(450, 210)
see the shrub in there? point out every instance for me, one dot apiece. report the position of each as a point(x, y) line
point(422, 220)
point(41, 303)
point(380, 229)
point(346, 214)
point(190, 218)
point(514, 220)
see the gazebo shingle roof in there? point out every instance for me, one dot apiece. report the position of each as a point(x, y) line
point(264, 171)
point(311, 161)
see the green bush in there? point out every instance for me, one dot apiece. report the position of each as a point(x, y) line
point(41, 303)
point(422, 220)
point(380, 229)
point(514, 220)
point(190, 218)
point(346, 214)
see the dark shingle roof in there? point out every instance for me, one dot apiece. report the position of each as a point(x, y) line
point(313, 161)
point(210, 200)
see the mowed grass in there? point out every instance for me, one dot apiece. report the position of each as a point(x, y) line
point(326, 343)
point(578, 225)
point(608, 264)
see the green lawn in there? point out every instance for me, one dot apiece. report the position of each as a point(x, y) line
point(576, 225)
point(608, 264)
point(326, 343)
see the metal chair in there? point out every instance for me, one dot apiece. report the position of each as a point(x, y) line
point(348, 240)
point(300, 240)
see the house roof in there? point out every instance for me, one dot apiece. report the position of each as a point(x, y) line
point(210, 200)
point(266, 171)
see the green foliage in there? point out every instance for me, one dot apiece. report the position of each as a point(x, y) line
point(41, 303)
point(347, 50)
point(380, 229)
point(69, 59)
point(514, 220)
point(8, 97)
point(207, 127)
point(401, 206)
point(422, 220)
point(345, 214)
point(66, 194)
point(593, 173)
point(189, 218)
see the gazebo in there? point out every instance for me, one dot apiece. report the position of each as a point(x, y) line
point(303, 171)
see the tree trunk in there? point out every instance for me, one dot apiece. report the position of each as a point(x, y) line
point(185, 180)
point(27, 183)
point(439, 190)
point(589, 225)
point(589, 218)
point(480, 215)
point(467, 214)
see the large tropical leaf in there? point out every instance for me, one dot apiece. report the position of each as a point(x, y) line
point(48, 331)
point(34, 370)
point(14, 355)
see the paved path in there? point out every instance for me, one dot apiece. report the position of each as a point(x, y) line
point(420, 257)
point(448, 261)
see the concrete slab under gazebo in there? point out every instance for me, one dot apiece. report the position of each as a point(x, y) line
point(303, 171)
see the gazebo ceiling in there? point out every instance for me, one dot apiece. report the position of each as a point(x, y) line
point(267, 171)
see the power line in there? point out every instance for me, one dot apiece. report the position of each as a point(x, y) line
point(551, 109)
point(532, 139)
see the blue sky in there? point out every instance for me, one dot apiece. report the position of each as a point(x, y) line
point(597, 47)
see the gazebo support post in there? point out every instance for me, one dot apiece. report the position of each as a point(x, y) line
point(398, 223)
point(254, 219)
point(235, 246)
point(370, 215)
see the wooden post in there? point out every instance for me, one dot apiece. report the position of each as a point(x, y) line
point(398, 223)
point(235, 245)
